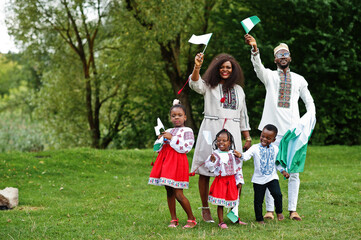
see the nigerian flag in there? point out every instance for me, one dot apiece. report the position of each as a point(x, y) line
point(293, 146)
point(249, 23)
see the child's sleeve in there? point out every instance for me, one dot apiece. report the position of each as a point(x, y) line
point(183, 142)
point(280, 168)
point(247, 155)
point(212, 166)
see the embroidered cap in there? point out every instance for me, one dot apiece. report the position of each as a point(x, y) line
point(279, 47)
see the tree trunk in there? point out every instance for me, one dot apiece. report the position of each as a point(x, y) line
point(170, 54)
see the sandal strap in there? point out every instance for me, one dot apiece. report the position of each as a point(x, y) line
point(192, 221)
point(203, 208)
point(175, 220)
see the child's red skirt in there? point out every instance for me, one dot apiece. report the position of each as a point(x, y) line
point(171, 168)
point(224, 191)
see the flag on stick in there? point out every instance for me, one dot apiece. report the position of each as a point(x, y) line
point(249, 23)
point(159, 142)
point(159, 127)
point(293, 146)
point(202, 39)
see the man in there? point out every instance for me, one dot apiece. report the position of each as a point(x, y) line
point(283, 90)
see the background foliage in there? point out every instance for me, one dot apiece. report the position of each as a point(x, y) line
point(45, 81)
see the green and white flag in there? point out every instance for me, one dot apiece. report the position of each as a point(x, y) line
point(249, 23)
point(293, 146)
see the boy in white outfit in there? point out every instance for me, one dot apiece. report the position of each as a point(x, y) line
point(265, 176)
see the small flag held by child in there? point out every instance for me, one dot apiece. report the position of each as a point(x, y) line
point(249, 23)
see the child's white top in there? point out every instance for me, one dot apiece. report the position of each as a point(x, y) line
point(264, 159)
point(226, 163)
point(182, 140)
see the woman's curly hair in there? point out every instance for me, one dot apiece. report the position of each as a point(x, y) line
point(212, 76)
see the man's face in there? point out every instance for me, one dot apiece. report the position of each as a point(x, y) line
point(283, 59)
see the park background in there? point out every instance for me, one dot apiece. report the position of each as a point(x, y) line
point(96, 74)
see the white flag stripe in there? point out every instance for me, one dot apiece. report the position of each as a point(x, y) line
point(202, 39)
point(303, 130)
point(248, 24)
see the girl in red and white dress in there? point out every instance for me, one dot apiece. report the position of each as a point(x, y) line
point(171, 168)
point(225, 163)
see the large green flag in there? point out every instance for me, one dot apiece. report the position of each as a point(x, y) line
point(293, 146)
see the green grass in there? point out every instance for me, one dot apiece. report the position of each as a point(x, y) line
point(94, 194)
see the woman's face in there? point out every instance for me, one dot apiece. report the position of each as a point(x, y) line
point(225, 70)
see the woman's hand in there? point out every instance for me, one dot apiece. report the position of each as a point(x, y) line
point(213, 158)
point(247, 145)
point(198, 60)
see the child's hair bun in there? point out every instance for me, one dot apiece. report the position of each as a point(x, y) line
point(176, 102)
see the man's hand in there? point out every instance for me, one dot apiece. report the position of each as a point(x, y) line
point(251, 41)
point(286, 174)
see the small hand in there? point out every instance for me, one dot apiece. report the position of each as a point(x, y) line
point(213, 158)
point(167, 135)
point(237, 154)
point(286, 174)
point(198, 60)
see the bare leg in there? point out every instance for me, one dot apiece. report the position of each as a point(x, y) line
point(203, 186)
point(183, 201)
point(239, 186)
point(171, 202)
point(221, 224)
point(220, 213)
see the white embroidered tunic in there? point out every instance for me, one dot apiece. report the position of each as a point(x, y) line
point(264, 159)
point(231, 115)
point(182, 140)
point(226, 163)
point(282, 94)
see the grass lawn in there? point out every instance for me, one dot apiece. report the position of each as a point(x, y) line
point(95, 194)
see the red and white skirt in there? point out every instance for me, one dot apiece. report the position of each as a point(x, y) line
point(224, 191)
point(171, 168)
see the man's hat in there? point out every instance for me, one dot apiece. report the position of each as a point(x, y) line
point(279, 47)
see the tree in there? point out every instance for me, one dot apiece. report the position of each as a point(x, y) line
point(172, 23)
point(324, 44)
point(41, 25)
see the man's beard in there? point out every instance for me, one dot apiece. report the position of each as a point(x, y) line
point(284, 66)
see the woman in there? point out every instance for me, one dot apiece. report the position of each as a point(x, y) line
point(224, 107)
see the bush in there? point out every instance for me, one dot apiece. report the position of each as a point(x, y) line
point(20, 133)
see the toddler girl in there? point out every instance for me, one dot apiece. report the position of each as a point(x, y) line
point(225, 163)
point(171, 166)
